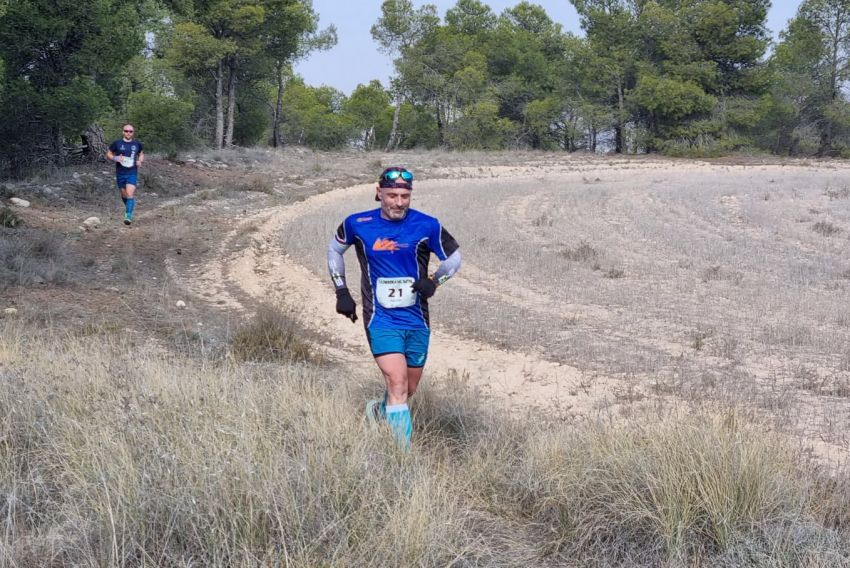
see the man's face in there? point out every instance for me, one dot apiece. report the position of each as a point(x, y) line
point(395, 202)
point(128, 132)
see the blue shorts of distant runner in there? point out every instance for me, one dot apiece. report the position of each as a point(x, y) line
point(412, 343)
point(123, 179)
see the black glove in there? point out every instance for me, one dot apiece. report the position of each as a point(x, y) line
point(345, 304)
point(426, 287)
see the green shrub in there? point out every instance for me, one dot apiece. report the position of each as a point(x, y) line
point(162, 123)
point(9, 219)
point(250, 125)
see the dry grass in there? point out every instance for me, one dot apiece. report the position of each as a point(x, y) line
point(271, 336)
point(681, 491)
point(582, 252)
point(118, 456)
point(33, 256)
point(825, 228)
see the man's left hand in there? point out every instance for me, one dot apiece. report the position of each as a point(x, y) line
point(425, 287)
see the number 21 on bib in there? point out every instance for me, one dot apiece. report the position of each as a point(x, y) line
point(395, 292)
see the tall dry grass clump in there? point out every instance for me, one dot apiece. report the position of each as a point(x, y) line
point(271, 336)
point(694, 490)
point(116, 455)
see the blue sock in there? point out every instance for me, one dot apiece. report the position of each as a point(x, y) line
point(131, 202)
point(398, 417)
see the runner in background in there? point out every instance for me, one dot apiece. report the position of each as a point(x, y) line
point(128, 155)
point(393, 245)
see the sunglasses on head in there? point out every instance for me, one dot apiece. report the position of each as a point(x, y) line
point(393, 175)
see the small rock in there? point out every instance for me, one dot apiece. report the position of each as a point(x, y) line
point(92, 222)
point(113, 289)
point(180, 304)
point(9, 312)
point(76, 175)
point(19, 202)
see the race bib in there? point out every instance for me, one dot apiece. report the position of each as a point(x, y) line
point(127, 161)
point(395, 292)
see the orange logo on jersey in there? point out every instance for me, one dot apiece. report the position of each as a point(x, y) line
point(385, 244)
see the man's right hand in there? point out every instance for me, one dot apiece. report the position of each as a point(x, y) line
point(345, 304)
point(117, 159)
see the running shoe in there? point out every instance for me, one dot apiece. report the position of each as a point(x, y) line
point(127, 219)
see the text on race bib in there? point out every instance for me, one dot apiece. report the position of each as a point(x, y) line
point(395, 292)
point(127, 161)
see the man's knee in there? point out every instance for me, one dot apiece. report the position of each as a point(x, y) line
point(397, 379)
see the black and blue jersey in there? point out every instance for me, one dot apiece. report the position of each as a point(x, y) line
point(392, 256)
point(130, 150)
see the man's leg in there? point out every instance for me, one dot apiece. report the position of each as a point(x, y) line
point(130, 192)
point(414, 375)
point(394, 368)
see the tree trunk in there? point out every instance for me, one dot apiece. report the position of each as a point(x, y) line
point(441, 126)
point(219, 105)
point(393, 139)
point(619, 134)
point(59, 150)
point(277, 140)
point(95, 145)
point(231, 103)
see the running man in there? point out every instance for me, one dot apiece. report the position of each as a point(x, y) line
point(128, 156)
point(393, 245)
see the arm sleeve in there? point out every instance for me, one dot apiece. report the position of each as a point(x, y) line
point(441, 242)
point(336, 264)
point(448, 267)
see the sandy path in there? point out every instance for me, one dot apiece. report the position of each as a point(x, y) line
point(239, 278)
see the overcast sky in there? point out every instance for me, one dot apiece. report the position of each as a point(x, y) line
point(355, 58)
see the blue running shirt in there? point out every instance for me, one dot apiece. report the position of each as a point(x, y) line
point(130, 150)
point(392, 256)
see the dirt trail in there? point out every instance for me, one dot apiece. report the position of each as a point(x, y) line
point(240, 277)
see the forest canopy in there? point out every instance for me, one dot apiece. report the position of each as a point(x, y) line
point(680, 77)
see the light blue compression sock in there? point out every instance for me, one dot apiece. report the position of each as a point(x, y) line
point(398, 417)
point(131, 202)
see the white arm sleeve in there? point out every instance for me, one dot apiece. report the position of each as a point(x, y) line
point(336, 264)
point(448, 267)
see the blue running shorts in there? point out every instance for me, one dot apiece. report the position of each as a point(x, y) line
point(123, 179)
point(412, 343)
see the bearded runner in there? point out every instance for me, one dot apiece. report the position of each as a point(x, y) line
point(394, 244)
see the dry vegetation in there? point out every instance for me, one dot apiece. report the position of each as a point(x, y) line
point(136, 434)
point(115, 455)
